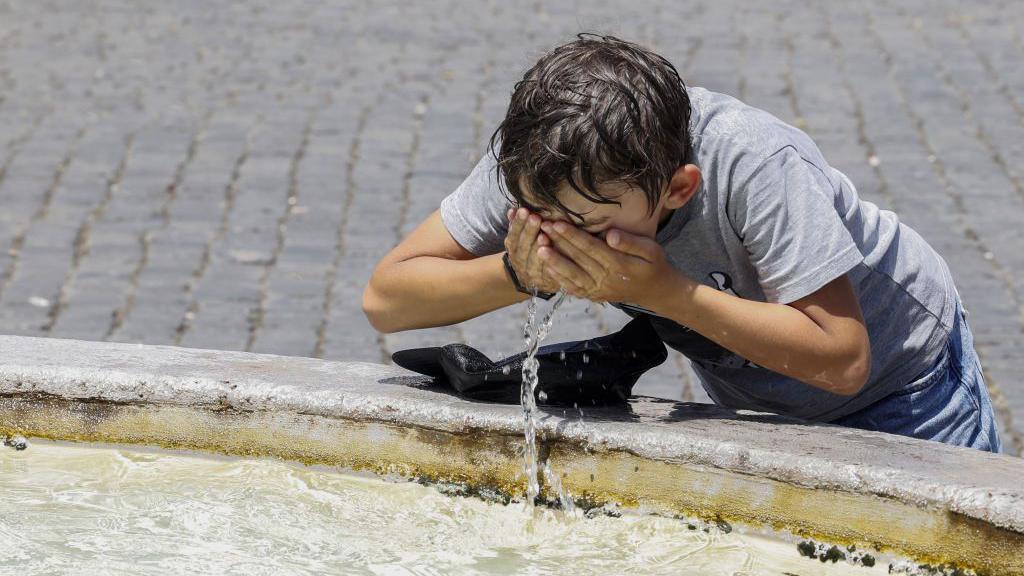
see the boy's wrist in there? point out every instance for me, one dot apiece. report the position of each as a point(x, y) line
point(667, 298)
point(510, 272)
point(507, 280)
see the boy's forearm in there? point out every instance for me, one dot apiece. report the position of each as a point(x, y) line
point(774, 336)
point(429, 291)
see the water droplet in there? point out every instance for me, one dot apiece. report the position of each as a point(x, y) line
point(561, 355)
point(586, 358)
point(873, 160)
point(542, 396)
point(579, 374)
point(506, 369)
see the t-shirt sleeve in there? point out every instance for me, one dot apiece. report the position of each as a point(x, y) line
point(788, 222)
point(474, 213)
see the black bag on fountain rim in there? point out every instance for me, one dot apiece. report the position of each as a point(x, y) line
point(585, 372)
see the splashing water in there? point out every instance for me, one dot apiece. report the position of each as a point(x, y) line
point(533, 333)
point(564, 497)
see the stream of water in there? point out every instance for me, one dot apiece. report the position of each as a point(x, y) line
point(533, 334)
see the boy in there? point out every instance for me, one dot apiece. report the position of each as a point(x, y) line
point(726, 226)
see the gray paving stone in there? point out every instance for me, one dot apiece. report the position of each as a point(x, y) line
point(404, 101)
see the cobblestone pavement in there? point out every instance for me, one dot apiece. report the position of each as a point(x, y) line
point(225, 175)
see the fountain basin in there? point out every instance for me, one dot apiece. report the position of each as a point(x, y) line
point(928, 501)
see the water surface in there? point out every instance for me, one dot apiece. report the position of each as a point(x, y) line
point(92, 509)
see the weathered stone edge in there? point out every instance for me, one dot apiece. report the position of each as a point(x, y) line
point(972, 483)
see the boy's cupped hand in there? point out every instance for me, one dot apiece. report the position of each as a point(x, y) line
point(623, 267)
point(521, 242)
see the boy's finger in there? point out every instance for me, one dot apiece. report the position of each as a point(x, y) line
point(586, 253)
point(515, 232)
point(569, 286)
point(525, 245)
point(593, 246)
point(536, 265)
point(564, 267)
point(515, 225)
point(632, 244)
point(581, 258)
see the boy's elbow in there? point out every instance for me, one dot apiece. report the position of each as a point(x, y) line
point(855, 372)
point(853, 381)
point(375, 309)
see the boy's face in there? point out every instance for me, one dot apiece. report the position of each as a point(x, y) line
point(633, 215)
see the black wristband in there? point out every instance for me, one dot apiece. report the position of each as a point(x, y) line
point(519, 286)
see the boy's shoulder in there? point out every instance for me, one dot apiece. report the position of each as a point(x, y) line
point(730, 134)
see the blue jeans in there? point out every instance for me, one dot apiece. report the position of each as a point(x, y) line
point(948, 403)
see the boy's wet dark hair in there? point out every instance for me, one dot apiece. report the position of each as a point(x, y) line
point(595, 110)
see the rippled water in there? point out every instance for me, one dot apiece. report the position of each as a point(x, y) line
point(89, 509)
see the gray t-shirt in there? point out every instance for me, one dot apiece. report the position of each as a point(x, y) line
point(771, 222)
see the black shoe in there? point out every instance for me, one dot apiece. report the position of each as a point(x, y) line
point(586, 372)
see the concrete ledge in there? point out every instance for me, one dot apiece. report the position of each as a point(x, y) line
point(926, 500)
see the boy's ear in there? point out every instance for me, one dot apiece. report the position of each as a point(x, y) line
point(682, 186)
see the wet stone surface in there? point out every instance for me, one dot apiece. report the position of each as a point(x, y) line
point(226, 175)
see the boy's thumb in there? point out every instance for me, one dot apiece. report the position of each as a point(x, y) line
point(631, 243)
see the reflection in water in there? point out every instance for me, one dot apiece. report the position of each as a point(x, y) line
point(88, 509)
